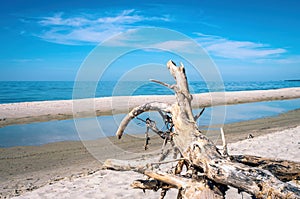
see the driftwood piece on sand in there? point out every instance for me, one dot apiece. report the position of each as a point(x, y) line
point(284, 170)
point(212, 171)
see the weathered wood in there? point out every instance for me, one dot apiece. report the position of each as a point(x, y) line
point(136, 165)
point(152, 106)
point(150, 184)
point(202, 156)
point(196, 117)
point(282, 169)
point(225, 150)
point(123, 165)
point(253, 180)
point(189, 188)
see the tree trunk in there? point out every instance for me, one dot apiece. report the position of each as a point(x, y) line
point(203, 158)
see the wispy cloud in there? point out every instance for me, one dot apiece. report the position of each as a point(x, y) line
point(217, 47)
point(85, 29)
point(58, 20)
point(153, 39)
point(232, 49)
point(293, 59)
point(178, 45)
point(90, 29)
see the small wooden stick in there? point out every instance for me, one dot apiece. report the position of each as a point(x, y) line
point(125, 165)
point(196, 117)
point(179, 166)
point(150, 184)
point(147, 139)
point(167, 120)
point(163, 83)
point(163, 193)
point(173, 180)
point(225, 150)
point(166, 162)
point(152, 125)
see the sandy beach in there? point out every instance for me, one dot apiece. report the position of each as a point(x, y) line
point(41, 111)
point(67, 170)
point(116, 184)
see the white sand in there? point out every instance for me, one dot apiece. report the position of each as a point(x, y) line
point(283, 145)
point(113, 184)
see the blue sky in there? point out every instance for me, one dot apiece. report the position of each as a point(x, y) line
point(248, 40)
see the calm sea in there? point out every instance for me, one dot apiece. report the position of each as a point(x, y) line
point(28, 91)
point(54, 131)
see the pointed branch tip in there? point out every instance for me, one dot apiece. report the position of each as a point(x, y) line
point(162, 83)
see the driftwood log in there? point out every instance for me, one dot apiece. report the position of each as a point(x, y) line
point(210, 171)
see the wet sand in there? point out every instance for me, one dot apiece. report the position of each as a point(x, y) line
point(24, 169)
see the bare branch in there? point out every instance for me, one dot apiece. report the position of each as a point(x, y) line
point(152, 106)
point(164, 84)
point(150, 184)
point(124, 165)
point(189, 188)
point(166, 162)
point(225, 150)
point(196, 117)
point(151, 125)
point(178, 182)
point(147, 139)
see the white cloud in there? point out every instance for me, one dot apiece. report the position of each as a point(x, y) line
point(289, 60)
point(294, 59)
point(126, 17)
point(152, 41)
point(89, 29)
point(225, 48)
point(216, 46)
point(179, 45)
point(88, 35)
point(92, 29)
point(58, 20)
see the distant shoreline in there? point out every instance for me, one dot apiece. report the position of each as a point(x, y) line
point(292, 80)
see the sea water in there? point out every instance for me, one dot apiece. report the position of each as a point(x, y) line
point(29, 91)
point(74, 130)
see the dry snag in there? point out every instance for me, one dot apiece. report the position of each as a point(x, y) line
point(209, 171)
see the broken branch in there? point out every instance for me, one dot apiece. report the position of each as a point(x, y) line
point(152, 106)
